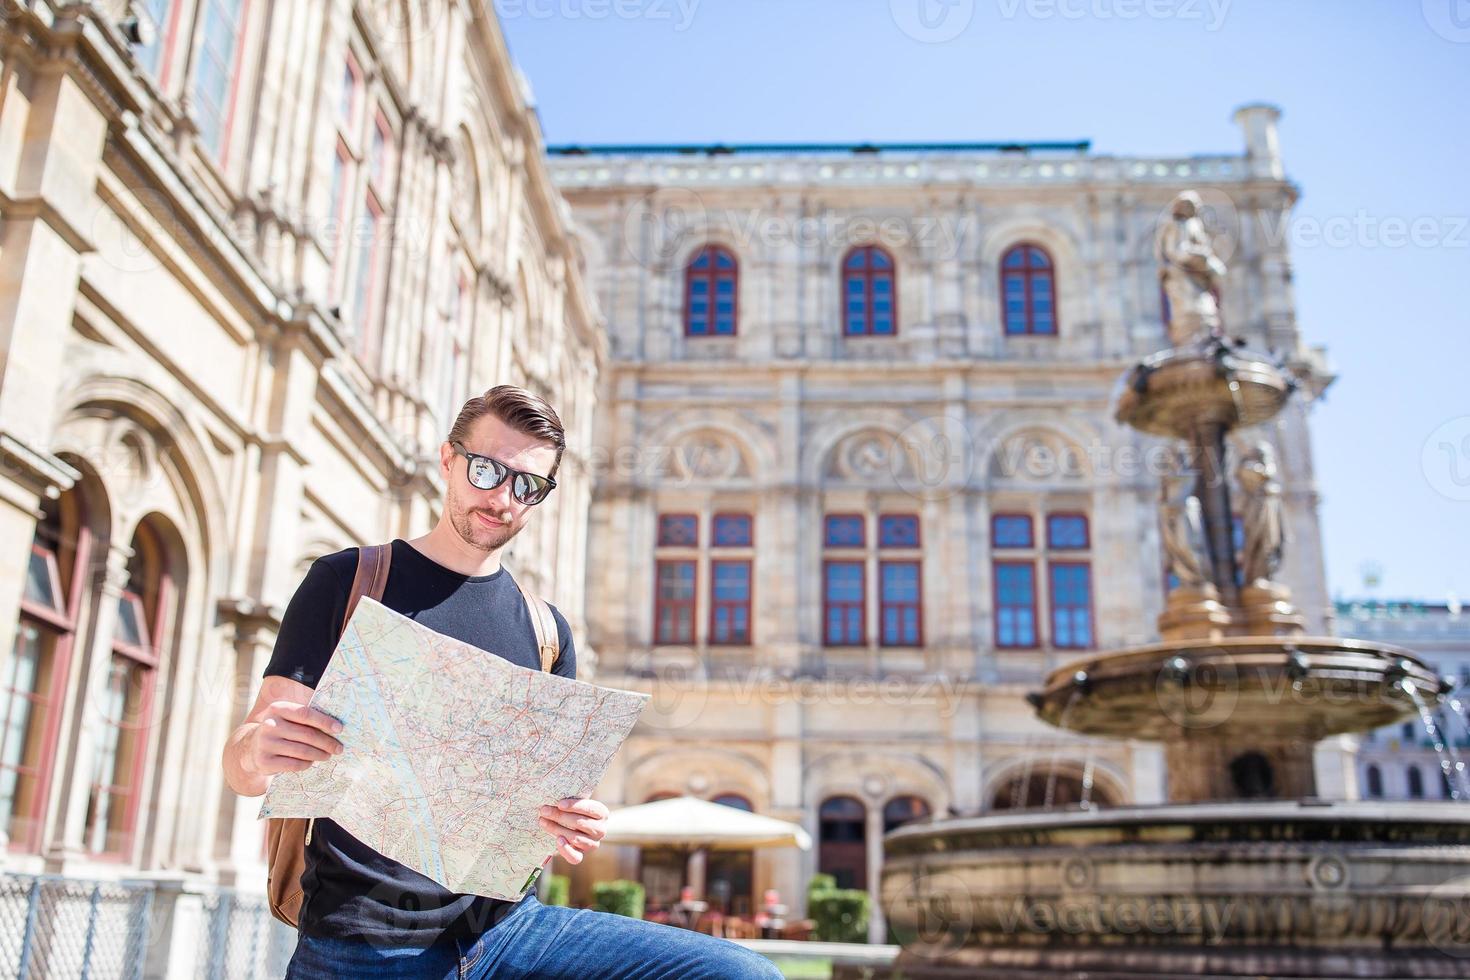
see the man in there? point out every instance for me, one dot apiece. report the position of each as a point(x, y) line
point(364, 915)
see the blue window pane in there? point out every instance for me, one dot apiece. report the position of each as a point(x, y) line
point(1071, 589)
point(1011, 531)
point(725, 287)
point(1015, 258)
point(731, 581)
point(898, 531)
point(1066, 531)
point(881, 260)
point(699, 287)
point(844, 531)
point(900, 582)
point(678, 529)
point(882, 287)
point(725, 261)
point(1015, 585)
point(845, 582)
point(883, 327)
point(676, 580)
point(856, 306)
point(732, 530)
point(855, 260)
point(701, 261)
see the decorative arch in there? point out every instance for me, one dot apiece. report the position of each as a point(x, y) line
point(726, 446)
point(669, 771)
point(1062, 245)
point(864, 452)
point(1109, 783)
point(1035, 452)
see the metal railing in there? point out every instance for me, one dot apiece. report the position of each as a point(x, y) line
point(54, 927)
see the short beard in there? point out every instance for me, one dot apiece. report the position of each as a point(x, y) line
point(477, 535)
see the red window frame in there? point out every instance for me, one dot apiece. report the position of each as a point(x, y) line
point(661, 542)
point(63, 629)
point(146, 660)
point(869, 274)
point(828, 605)
point(996, 565)
point(918, 530)
point(884, 605)
point(660, 603)
point(1029, 275)
point(862, 541)
point(716, 605)
point(712, 275)
point(995, 519)
point(1051, 593)
point(1086, 544)
point(714, 523)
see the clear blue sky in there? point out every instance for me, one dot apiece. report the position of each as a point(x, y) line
point(1376, 132)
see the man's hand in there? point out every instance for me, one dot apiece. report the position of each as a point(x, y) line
point(578, 826)
point(289, 738)
point(280, 734)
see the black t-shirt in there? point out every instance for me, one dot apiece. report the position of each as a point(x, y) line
point(350, 889)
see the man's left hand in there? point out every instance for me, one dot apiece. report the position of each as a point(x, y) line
point(577, 825)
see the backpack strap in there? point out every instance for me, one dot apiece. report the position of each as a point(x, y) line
point(544, 623)
point(372, 575)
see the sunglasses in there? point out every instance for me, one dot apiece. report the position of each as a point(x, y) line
point(487, 473)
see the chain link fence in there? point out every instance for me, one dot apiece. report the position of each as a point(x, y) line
point(53, 927)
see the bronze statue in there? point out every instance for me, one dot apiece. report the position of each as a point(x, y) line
point(1183, 524)
point(1262, 513)
point(1190, 271)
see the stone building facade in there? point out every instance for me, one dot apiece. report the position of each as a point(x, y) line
point(860, 486)
point(253, 256)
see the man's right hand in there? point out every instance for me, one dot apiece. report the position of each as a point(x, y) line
point(290, 737)
point(280, 734)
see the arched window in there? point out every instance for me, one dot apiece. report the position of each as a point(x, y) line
point(1028, 292)
point(35, 674)
point(1375, 783)
point(903, 809)
point(1416, 783)
point(126, 702)
point(1032, 790)
point(733, 800)
point(710, 287)
point(869, 300)
point(843, 832)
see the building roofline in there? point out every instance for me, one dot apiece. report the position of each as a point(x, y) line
point(730, 149)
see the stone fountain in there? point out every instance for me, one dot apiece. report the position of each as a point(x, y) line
point(1244, 872)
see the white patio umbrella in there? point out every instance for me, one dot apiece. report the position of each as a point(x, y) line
point(691, 823)
point(693, 826)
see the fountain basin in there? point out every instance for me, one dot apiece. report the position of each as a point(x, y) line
point(1173, 392)
point(1282, 888)
point(1256, 688)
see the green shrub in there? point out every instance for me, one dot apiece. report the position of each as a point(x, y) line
point(819, 883)
point(558, 890)
point(619, 897)
point(841, 915)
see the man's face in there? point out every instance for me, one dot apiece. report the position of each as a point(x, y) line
point(487, 519)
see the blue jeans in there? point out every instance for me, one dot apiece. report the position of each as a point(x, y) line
point(537, 940)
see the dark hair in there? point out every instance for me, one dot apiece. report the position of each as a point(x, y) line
point(527, 413)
